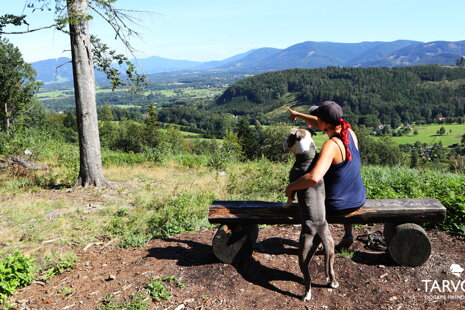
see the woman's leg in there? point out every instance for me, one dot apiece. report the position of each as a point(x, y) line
point(348, 230)
point(346, 240)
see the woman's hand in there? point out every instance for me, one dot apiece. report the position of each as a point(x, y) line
point(293, 115)
point(290, 194)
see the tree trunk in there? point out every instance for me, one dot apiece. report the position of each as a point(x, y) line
point(7, 118)
point(90, 172)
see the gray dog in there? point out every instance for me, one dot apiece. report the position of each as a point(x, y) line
point(315, 229)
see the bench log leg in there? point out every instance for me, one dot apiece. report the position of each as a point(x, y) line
point(389, 230)
point(234, 243)
point(407, 243)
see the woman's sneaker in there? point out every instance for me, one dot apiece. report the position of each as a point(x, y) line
point(344, 244)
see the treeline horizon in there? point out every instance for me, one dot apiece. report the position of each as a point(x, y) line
point(369, 96)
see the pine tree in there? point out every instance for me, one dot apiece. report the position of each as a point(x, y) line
point(247, 139)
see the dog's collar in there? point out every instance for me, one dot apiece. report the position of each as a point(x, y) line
point(305, 156)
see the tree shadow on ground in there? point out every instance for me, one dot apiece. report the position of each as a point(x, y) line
point(256, 273)
point(195, 254)
point(198, 254)
point(277, 246)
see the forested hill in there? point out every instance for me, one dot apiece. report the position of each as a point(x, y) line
point(369, 96)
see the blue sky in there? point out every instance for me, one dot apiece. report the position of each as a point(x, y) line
point(204, 30)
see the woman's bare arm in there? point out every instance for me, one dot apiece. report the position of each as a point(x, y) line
point(312, 178)
point(309, 119)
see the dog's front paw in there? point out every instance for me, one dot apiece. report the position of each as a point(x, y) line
point(307, 296)
point(333, 284)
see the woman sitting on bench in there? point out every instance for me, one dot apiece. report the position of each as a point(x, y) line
point(338, 164)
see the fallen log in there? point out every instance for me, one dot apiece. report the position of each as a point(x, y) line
point(7, 163)
point(374, 211)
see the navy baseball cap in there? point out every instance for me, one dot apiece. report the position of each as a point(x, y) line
point(328, 111)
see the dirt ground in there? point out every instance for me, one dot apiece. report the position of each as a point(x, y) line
point(270, 279)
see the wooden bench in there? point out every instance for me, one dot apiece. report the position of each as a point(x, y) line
point(407, 242)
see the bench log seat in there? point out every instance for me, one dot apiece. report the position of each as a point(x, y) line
point(407, 242)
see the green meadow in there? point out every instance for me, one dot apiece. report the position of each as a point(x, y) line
point(428, 134)
point(54, 94)
point(57, 94)
point(191, 92)
point(170, 93)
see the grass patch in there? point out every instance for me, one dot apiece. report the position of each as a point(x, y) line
point(57, 263)
point(138, 301)
point(66, 291)
point(345, 253)
point(146, 198)
point(428, 134)
point(129, 227)
point(158, 290)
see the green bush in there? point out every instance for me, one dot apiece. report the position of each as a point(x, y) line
point(15, 143)
point(382, 152)
point(158, 290)
point(220, 160)
point(44, 146)
point(272, 145)
point(68, 159)
point(120, 223)
point(259, 180)
point(226, 153)
point(185, 212)
point(135, 238)
point(397, 182)
point(16, 270)
point(114, 158)
point(262, 180)
point(129, 227)
point(156, 155)
point(66, 171)
point(192, 160)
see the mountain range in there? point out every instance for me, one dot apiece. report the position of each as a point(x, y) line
point(302, 55)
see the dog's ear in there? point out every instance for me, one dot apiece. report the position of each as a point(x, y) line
point(311, 131)
point(300, 134)
point(294, 131)
point(291, 140)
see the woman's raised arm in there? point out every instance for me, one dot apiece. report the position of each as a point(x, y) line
point(309, 119)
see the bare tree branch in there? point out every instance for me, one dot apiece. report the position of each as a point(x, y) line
point(116, 19)
point(119, 25)
point(29, 30)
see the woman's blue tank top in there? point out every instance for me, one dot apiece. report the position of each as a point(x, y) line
point(343, 183)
